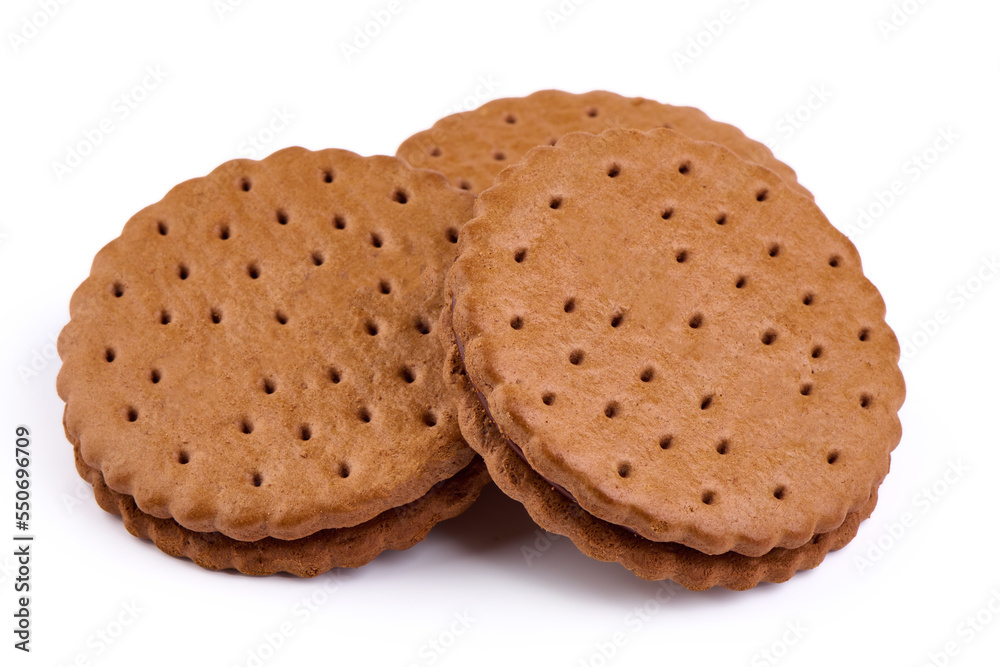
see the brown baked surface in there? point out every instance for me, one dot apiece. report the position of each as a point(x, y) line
point(607, 542)
point(398, 529)
point(472, 147)
point(252, 356)
point(678, 339)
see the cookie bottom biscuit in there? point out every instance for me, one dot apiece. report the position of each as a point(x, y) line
point(396, 529)
point(604, 541)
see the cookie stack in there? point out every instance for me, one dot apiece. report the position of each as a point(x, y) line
point(250, 372)
point(649, 333)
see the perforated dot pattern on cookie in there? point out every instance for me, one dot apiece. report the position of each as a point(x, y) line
point(472, 147)
point(233, 361)
point(743, 417)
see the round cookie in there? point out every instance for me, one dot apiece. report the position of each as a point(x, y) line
point(253, 355)
point(679, 341)
point(471, 148)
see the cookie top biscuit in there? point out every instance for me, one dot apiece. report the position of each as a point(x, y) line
point(678, 339)
point(472, 147)
point(253, 354)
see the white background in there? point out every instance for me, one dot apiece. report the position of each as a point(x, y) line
point(884, 98)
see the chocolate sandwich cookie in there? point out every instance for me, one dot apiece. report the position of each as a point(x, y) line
point(673, 340)
point(250, 372)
